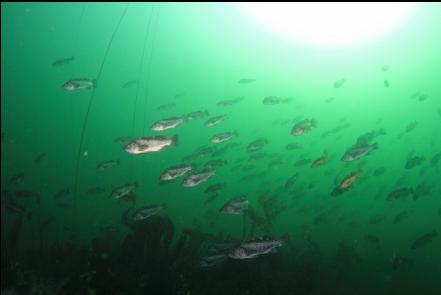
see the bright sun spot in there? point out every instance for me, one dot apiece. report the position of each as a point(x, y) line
point(328, 24)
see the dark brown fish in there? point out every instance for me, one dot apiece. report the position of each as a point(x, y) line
point(95, 190)
point(424, 240)
point(339, 83)
point(301, 162)
point(401, 216)
point(26, 194)
point(17, 178)
point(414, 162)
point(246, 81)
point(214, 188)
point(372, 239)
point(379, 171)
point(40, 157)
point(400, 193)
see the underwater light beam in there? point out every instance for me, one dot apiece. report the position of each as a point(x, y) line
point(329, 24)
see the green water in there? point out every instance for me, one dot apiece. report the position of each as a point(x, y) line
point(192, 56)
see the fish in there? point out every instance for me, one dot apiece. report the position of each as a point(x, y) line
point(424, 240)
point(79, 83)
point(211, 260)
point(63, 205)
point(195, 115)
point(166, 106)
point(411, 126)
point(129, 84)
point(95, 190)
point(386, 83)
point(271, 100)
point(26, 194)
point(358, 151)
point(214, 188)
point(291, 181)
point(376, 219)
point(40, 157)
point(339, 83)
point(211, 198)
point(107, 165)
point(335, 130)
point(197, 178)
point(175, 172)
point(421, 190)
point(214, 121)
point(246, 81)
point(257, 156)
point(385, 68)
point(400, 193)
point(150, 144)
point(379, 171)
point(62, 193)
point(17, 179)
point(229, 102)
point(251, 177)
point(301, 162)
point(292, 146)
point(214, 164)
point(253, 249)
point(235, 206)
point(222, 137)
point(124, 139)
point(257, 144)
point(148, 211)
point(347, 182)
point(422, 97)
point(168, 123)
point(367, 137)
point(10, 205)
point(372, 239)
point(123, 191)
point(401, 216)
point(415, 161)
point(319, 162)
point(303, 127)
point(63, 61)
point(399, 261)
point(329, 99)
point(435, 160)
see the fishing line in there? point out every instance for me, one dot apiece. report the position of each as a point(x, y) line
point(89, 106)
point(73, 68)
point(141, 66)
point(149, 62)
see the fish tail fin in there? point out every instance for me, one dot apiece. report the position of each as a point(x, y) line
point(174, 140)
point(136, 184)
point(164, 206)
point(206, 113)
point(95, 83)
point(286, 239)
point(117, 161)
point(375, 146)
point(313, 122)
point(235, 133)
